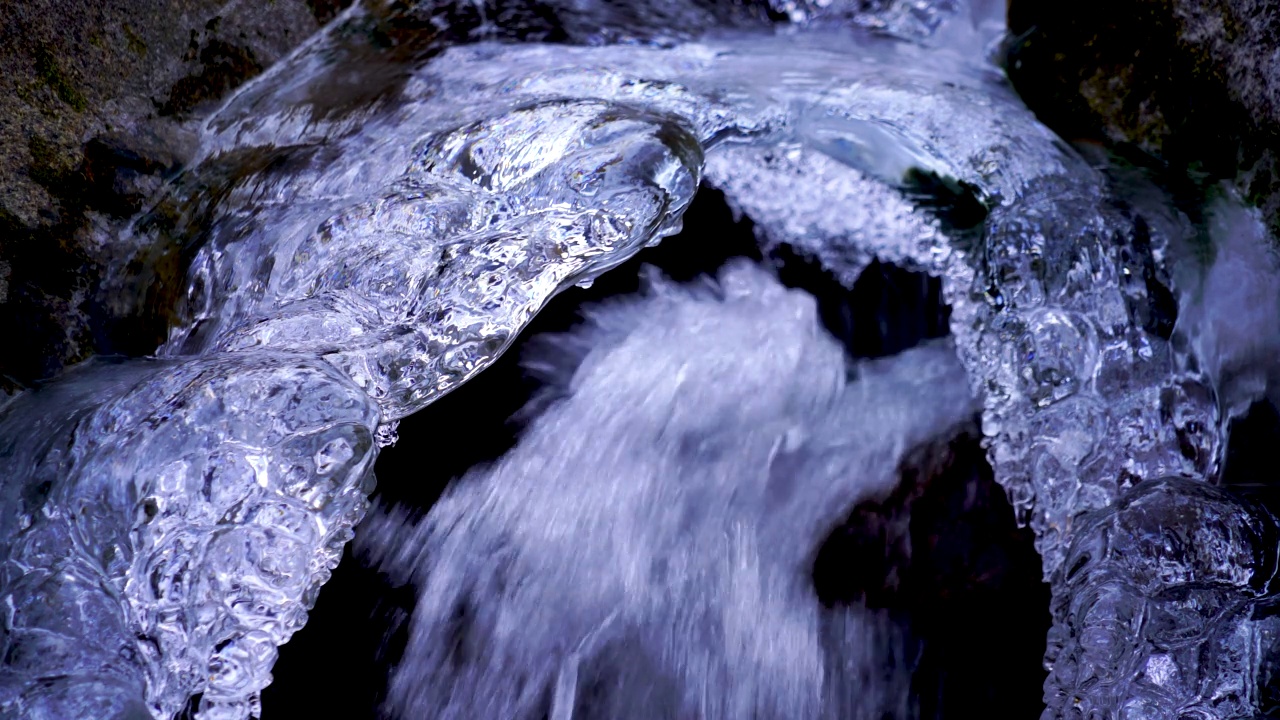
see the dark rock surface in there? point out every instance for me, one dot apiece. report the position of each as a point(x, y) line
point(97, 103)
point(1190, 87)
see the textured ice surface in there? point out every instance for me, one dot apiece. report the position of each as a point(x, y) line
point(410, 252)
point(168, 524)
point(1067, 317)
point(375, 218)
point(645, 550)
point(1065, 313)
point(1158, 614)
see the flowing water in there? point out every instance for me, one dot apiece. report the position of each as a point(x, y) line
point(695, 438)
point(371, 222)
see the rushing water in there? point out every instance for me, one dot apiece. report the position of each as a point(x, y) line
point(372, 221)
point(699, 432)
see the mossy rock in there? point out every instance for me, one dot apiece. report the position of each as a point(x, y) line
point(97, 105)
point(1191, 88)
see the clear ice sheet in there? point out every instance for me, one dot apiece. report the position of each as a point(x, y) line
point(645, 550)
point(385, 246)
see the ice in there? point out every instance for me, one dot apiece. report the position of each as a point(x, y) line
point(410, 258)
point(645, 550)
point(1100, 355)
point(168, 525)
point(1158, 613)
point(376, 217)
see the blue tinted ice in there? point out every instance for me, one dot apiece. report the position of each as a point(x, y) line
point(370, 229)
point(1166, 609)
point(169, 524)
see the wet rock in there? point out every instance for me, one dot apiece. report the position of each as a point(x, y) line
point(97, 100)
point(1188, 86)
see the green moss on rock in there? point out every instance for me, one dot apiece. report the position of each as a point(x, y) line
point(53, 75)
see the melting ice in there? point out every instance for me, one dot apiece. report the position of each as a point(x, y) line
point(370, 228)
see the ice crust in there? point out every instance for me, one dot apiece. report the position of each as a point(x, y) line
point(168, 525)
point(359, 251)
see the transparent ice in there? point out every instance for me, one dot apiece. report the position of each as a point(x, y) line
point(373, 220)
point(168, 524)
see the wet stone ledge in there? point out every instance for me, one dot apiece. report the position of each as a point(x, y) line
point(97, 106)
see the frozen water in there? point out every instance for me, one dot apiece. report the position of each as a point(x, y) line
point(645, 550)
point(168, 525)
point(372, 221)
point(411, 253)
point(1158, 616)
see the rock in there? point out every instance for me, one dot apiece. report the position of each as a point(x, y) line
point(1192, 84)
point(97, 102)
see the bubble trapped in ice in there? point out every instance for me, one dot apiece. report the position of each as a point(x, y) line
point(648, 543)
point(377, 223)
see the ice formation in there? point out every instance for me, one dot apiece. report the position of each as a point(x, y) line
point(1167, 605)
point(168, 523)
point(373, 220)
point(645, 550)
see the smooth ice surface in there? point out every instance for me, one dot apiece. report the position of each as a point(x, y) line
point(645, 551)
point(378, 215)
